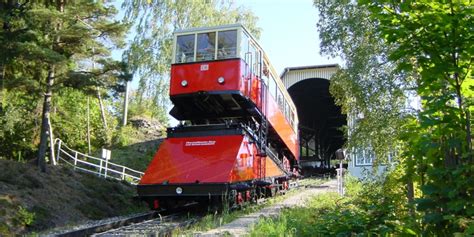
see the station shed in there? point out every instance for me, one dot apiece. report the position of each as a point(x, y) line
point(320, 118)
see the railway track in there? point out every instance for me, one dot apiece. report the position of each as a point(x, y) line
point(161, 226)
point(154, 223)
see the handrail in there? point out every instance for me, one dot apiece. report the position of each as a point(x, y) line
point(90, 164)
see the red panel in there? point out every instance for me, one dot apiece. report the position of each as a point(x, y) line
point(245, 167)
point(185, 160)
point(282, 127)
point(203, 76)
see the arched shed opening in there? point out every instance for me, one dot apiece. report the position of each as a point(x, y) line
point(320, 119)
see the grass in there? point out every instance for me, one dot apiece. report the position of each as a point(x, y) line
point(32, 201)
point(298, 221)
point(368, 209)
point(217, 219)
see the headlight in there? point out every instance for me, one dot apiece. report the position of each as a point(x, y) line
point(220, 80)
point(179, 190)
point(184, 83)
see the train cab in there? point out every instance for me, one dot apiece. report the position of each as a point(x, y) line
point(215, 73)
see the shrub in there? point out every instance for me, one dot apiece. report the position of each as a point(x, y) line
point(370, 207)
point(24, 217)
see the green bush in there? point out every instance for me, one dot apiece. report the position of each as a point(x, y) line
point(124, 136)
point(24, 218)
point(370, 207)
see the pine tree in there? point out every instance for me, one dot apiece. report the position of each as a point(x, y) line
point(56, 43)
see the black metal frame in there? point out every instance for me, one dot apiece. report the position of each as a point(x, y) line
point(188, 190)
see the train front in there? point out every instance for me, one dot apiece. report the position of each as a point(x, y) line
point(218, 150)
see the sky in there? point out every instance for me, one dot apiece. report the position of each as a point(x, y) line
point(289, 34)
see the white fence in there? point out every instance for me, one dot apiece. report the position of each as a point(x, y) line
point(101, 167)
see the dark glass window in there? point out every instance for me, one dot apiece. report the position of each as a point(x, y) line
point(184, 48)
point(206, 46)
point(227, 44)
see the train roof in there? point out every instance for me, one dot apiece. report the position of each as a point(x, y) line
point(210, 28)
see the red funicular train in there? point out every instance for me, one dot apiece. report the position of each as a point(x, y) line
point(238, 136)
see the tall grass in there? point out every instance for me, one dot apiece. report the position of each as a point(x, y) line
point(369, 208)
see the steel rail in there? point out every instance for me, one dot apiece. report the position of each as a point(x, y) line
point(87, 231)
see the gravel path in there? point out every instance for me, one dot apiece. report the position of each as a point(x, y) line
point(241, 226)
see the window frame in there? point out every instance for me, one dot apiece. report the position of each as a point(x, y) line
point(363, 157)
point(196, 43)
point(236, 44)
point(175, 50)
point(241, 34)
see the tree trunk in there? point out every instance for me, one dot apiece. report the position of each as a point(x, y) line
point(45, 122)
point(102, 114)
point(2, 82)
point(125, 106)
point(102, 111)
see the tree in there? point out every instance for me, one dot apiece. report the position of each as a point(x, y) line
point(428, 46)
point(53, 42)
point(367, 87)
point(437, 37)
point(150, 52)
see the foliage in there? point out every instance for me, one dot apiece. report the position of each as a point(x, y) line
point(371, 207)
point(146, 107)
point(434, 40)
point(124, 136)
point(50, 45)
point(428, 46)
point(58, 198)
point(24, 217)
point(150, 52)
point(18, 125)
point(368, 88)
point(69, 119)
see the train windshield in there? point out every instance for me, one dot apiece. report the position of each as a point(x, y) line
point(184, 48)
point(227, 44)
point(206, 46)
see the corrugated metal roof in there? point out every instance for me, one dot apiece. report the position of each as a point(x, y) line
point(293, 75)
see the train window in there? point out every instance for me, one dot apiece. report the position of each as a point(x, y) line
point(257, 63)
point(292, 119)
point(251, 57)
point(272, 86)
point(287, 111)
point(244, 45)
point(206, 46)
point(280, 100)
point(184, 48)
point(227, 44)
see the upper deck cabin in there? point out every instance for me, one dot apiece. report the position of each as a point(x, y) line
point(210, 43)
point(202, 47)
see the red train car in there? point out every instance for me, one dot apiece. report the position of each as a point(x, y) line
point(238, 137)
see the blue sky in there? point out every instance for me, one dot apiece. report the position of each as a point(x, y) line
point(289, 34)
